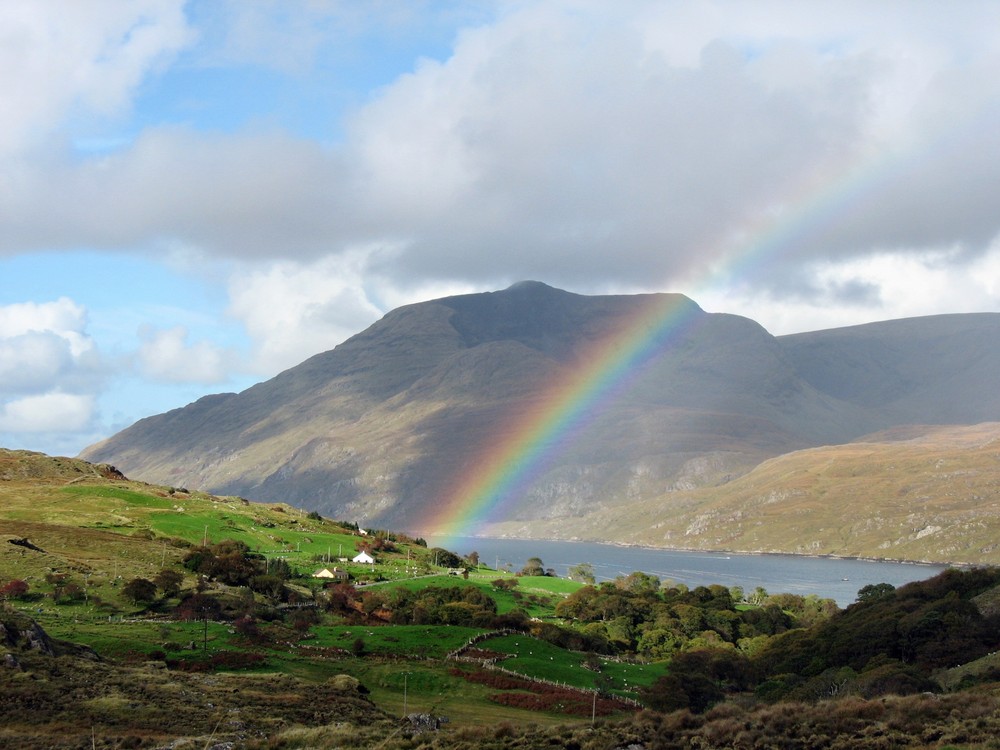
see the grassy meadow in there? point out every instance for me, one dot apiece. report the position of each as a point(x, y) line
point(90, 535)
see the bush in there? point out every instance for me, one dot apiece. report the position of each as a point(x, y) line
point(14, 589)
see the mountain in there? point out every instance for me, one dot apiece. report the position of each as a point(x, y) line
point(385, 425)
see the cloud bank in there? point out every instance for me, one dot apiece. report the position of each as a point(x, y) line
point(800, 163)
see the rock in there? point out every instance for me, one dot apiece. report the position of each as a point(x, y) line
point(426, 722)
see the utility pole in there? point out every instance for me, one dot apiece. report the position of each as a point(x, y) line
point(404, 694)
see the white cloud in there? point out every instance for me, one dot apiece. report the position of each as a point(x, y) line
point(250, 195)
point(44, 346)
point(56, 56)
point(578, 143)
point(33, 362)
point(62, 317)
point(49, 412)
point(166, 356)
point(294, 310)
point(883, 286)
point(50, 372)
point(549, 145)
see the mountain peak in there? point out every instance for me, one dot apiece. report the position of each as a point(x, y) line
point(529, 285)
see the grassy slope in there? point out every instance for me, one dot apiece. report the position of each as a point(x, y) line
point(101, 531)
point(927, 493)
point(88, 526)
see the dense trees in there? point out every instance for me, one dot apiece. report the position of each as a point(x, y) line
point(434, 605)
point(634, 615)
point(229, 562)
point(889, 641)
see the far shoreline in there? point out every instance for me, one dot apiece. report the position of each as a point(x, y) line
point(742, 553)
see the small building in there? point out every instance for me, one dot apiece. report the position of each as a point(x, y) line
point(336, 574)
point(363, 557)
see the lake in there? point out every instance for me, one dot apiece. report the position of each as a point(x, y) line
point(828, 578)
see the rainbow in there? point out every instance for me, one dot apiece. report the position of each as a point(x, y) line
point(813, 208)
point(501, 472)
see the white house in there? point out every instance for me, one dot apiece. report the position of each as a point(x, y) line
point(363, 557)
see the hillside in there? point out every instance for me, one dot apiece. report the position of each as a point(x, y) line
point(230, 652)
point(915, 493)
point(384, 426)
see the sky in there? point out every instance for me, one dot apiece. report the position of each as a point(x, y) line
point(195, 196)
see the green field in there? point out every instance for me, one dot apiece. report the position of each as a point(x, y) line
point(536, 658)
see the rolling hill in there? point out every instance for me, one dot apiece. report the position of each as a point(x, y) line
point(918, 493)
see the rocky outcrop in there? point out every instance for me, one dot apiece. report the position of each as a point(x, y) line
point(20, 633)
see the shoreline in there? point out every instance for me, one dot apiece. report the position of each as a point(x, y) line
point(741, 553)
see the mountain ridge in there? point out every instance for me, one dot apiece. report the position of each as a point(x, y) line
point(380, 428)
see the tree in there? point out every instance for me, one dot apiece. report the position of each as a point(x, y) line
point(279, 567)
point(169, 581)
point(584, 572)
point(139, 590)
point(446, 558)
point(534, 567)
point(200, 607)
point(473, 559)
point(875, 591)
point(758, 597)
point(271, 586)
point(638, 583)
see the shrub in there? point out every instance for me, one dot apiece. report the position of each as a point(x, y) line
point(14, 589)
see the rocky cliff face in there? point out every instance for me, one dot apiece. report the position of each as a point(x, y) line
point(382, 427)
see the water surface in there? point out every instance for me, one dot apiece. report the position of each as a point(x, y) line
point(829, 578)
